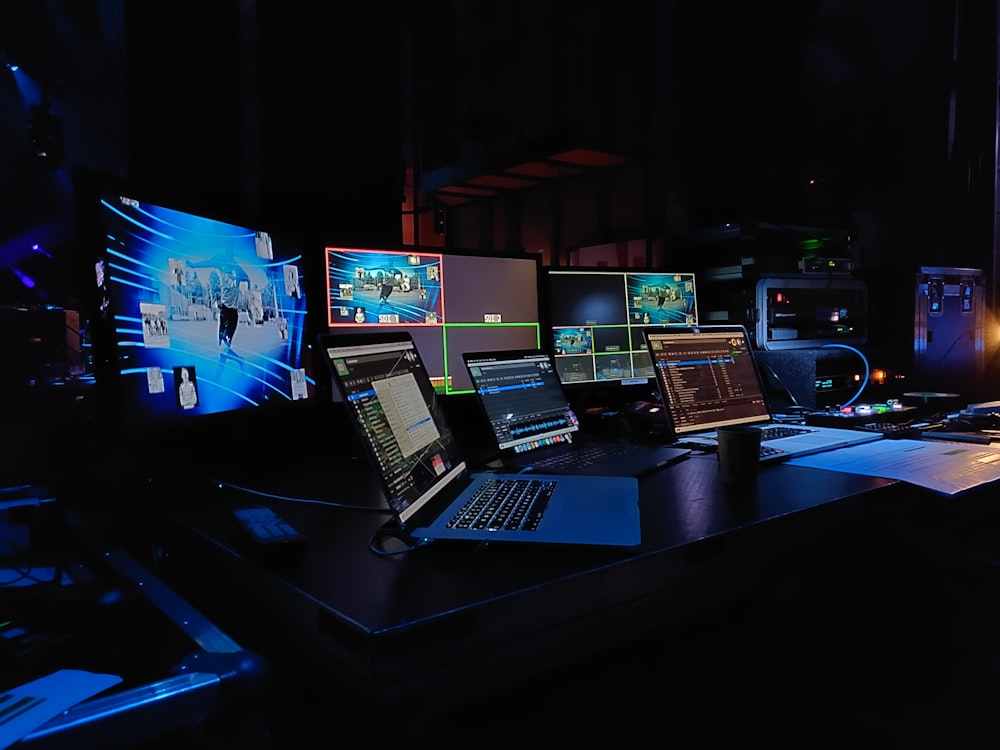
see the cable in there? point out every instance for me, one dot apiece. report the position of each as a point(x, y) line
point(389, 531)
point(792, 401)
point(944, 356)
point(285, 498)
point(386, 531)
point(23, 572)
point(864, 359)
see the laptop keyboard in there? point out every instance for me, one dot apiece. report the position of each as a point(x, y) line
point(582, 457)
point(509, 503)
point(773, 433)
point(781, 431)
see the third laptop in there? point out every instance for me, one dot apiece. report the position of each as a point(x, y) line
point(708, 378)
point(536, 427)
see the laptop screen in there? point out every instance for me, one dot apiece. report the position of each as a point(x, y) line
point(707, 376)
point(522, 397)
point(389, 396)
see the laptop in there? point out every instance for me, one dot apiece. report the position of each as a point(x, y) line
point(535, 427)
point(399, 417)
point(708, 378)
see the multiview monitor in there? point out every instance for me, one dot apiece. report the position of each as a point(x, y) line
point(201, 316)
point(597, 317)
point(449, 302)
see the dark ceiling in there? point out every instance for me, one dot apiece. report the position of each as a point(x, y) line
point(870, 85)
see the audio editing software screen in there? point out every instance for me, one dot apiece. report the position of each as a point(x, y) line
point(523, 399)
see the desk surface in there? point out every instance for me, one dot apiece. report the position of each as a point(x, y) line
point(465, 615)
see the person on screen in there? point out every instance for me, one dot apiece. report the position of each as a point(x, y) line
point(103, 293)
point(292, 281)
point(234, 282)
point(187, 392)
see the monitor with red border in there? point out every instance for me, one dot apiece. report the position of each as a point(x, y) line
point(449, 302)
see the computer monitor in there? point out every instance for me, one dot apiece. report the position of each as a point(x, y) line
point(596, 317)
point(449, 302)
point(196, 316)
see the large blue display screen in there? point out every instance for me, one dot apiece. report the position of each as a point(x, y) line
point(207, 316)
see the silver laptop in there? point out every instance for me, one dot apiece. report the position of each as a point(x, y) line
point(708, 378)
point(399, 417)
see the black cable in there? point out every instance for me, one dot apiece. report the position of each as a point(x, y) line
point(944, 356)
point(386, 531)
point(309, 501)
point(392, 531)
point(788, 394)
point(22, 572)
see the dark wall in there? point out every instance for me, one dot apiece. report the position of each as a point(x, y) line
point(272, 110)
point(269, 108)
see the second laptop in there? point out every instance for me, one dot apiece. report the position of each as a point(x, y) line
point(536, 427)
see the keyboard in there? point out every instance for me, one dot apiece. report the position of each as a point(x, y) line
point(766, 433)
point(765, 450)
point(780, 431)
point(506, 503)
point(892, 429)
point(582, 457)
point(773, 433)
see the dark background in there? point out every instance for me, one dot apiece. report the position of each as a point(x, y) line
point(875, 118)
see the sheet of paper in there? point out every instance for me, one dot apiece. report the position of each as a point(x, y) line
point(945, 467)
point(27, 707)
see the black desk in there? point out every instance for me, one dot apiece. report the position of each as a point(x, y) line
point(440, 624)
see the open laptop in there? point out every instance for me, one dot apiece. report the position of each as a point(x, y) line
point(399, 417)
point(708, 378)
point(535, 426)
